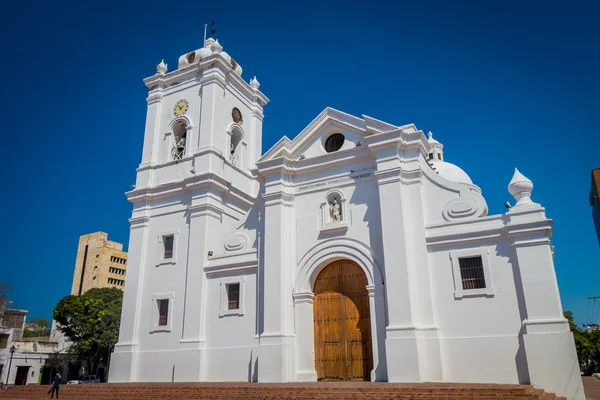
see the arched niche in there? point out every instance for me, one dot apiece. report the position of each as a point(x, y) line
point(236, 145)
point(334, 209)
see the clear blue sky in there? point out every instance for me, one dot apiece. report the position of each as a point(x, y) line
point(501, 84)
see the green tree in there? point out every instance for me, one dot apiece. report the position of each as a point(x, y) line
point(91, 321)
point(587, 342)
point(37, 327)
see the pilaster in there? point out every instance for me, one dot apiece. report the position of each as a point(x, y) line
point(305, 337)
point(545, 327)
point(276, 339)
point(377, 313)
point(407, 287)
point(200, 216)
point(153, 120)
point(123, 358)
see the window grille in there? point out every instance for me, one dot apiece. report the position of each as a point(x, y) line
point(471, 273)
point(168, 246)
point(233, 296)
point(334, 142)
point(163, 312)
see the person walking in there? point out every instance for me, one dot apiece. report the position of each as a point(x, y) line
point(55, 386)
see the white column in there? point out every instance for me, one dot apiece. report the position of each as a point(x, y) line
point(412, 348)
point(122, 366)
point(305, 337)
point(190, 353)
point(276, 339)
point(377, 314)
point(549, 345)
point(402, 351)
point(152, 130)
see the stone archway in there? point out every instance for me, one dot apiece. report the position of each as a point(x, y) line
point(309, 268)
point(342, 323)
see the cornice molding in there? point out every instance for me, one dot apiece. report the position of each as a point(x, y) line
point(139, 222)
point(213, 62)
point(205, 210)
point(207, 179)
point(278, 198)
point(246, 261)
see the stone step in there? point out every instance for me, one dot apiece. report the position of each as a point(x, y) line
point(320, 390)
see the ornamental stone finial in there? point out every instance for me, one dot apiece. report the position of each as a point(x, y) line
point(520, 187)
point(209, 42)
point(254, 84)
point(216, 47)
point(430, 135)
point(162, 68)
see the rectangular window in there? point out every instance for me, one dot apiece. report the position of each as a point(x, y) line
point(471, 273)
point(431, 156)
point(168, 246)
point(233, 296)
point(3, 341)
point(163, 312)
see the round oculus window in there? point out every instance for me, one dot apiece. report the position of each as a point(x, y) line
point(334, 142)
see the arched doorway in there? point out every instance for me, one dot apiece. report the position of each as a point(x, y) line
point(342, 323)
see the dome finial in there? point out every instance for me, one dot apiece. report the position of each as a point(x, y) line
point(520, 187)
point(254, 84)
point(162, 68)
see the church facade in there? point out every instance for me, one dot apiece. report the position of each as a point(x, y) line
point(352, 252)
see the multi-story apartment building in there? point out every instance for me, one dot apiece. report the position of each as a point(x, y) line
point(100, 263)
point(595, 200)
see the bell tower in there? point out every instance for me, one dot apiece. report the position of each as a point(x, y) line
point(202, 138)
point(202, 118)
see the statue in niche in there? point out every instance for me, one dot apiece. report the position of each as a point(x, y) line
point(236, 115)
point(334, 211)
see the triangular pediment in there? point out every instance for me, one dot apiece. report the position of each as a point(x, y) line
point(310, 142)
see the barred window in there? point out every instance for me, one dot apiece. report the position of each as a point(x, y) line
point(163, 311)
point(471, 272)
point(168, 246)
point(233, 296)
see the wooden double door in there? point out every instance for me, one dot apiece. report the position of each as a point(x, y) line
point(342, 323)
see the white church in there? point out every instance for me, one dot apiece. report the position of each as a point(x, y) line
point(352, 252)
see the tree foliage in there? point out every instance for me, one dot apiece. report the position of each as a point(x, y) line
point(91, 321)
point(37, 327)
point(587, 343)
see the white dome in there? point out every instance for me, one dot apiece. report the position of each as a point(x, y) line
point(451, 172)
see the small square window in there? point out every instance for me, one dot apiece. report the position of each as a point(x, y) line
point(233, 296)
point(168, 242)
point(431, 156)
point(471, 273)
point(163, 312)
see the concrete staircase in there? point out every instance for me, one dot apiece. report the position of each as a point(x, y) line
point(320, 390)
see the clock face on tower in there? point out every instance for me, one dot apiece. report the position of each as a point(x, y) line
point(181, 107)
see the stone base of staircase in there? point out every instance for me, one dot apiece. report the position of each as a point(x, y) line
point(318, 390)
